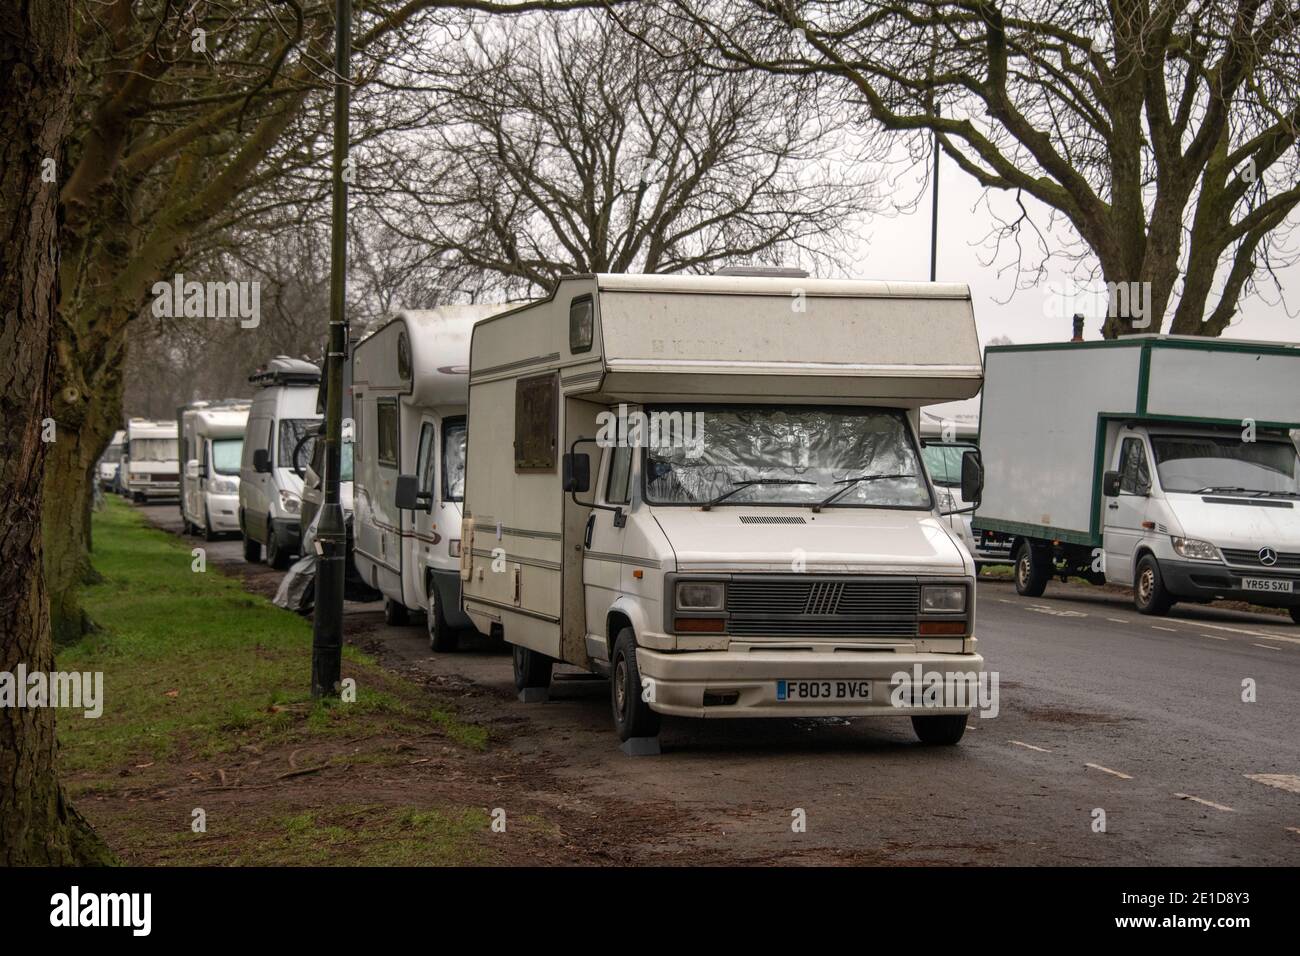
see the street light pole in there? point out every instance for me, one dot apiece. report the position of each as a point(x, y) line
point(331, 532)
point(934, 210)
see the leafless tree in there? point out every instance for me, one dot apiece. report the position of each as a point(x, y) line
point(1164, 132)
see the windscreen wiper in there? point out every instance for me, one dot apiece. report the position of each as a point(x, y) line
point(1228, 489)
point(848, 484)
point(741, 485)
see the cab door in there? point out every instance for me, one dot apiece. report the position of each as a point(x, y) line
point(603, 541)
point(420, 536)
point(1123, 515)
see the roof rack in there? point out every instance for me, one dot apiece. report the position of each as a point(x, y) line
point(283, 370)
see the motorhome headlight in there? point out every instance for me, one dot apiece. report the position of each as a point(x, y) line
point(223, 486)
point(138, 476)
point(944, 598)
point(701, 595)
point(453, 547)
point(1196, 549)
point(290, 502)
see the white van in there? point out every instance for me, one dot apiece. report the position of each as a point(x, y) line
point(211, 446)
point(710, 489)
point(106, 469)
point(152, 468)
point(948, 431)
point(409, 389)
point(282, 417)
point(1161, 462)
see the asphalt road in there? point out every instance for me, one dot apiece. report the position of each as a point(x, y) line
point(1102, 710)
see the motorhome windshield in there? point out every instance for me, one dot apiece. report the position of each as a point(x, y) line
point(153, 449)
point(307, 454)
point(943, 459)
point(453, 461)
point(112, 454)
point(1206, 463)
point(782, 455)
point(226, 453)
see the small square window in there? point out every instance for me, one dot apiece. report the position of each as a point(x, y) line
point(581, 323)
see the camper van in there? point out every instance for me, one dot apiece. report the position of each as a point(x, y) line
point(107, 469)
point(1164, 463)
point(410, 383)
point(282, 417)
point(948, 431)
point(710, 489)
point(211, 446)
point(152, 469)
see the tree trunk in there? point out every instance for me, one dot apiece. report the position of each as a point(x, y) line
point(37, 824)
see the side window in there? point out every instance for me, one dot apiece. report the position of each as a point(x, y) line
point(620, 471)
point(426, 461)
point(386, 433)
point(581, 323)
point(1135, 476)
point(536, 422)
point(453, 459)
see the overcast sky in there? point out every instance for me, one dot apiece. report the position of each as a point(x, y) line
point(899, 248)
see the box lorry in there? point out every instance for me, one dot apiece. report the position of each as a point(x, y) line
point(1160, 462)
point(410, 385)
point(211, 448)
point(948, 432)
point(709, 489)
point(151, 468)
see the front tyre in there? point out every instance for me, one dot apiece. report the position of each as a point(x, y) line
point(277, 555)
point(252, 550)
point(531, 668)
point(1149, 593)
point(395, 613)
point(443, 638)
point(1032, 571)
point(632, 714)
point(1295, 614)
point(940, 731)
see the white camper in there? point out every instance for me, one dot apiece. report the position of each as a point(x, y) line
point(152, 468)
point(410, 383)
point(211, 447)
point(710, 489)
point(281, 421)
point(948, 431)
point(1161, 462)
point(106, 470)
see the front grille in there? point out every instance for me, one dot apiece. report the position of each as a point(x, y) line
point(1249, 558)
point(824, 606)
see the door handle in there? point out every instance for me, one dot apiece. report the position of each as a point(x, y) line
point(591, 526)
point(1113, 506)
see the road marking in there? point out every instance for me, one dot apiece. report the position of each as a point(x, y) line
point(1267, 647)
point(1055, 612)
point(1171, 630)
point(1242, 630)
point(1294, 829)
point(1283, 781)
point(1021, 743)
point(1213, 637)
point(1117, 620)
point(1208, 803)
point(1114, 773)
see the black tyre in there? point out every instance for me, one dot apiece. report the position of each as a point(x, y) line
point(1295, 614)
point(277, 555)
point(632, 715)
point(941, 731)
point(208, 533)
point(443, 638)
point(1032, 569)
point(252, 550)
point(137, 498)
point(395, 613)
point(1149, 593)
point(531, 668)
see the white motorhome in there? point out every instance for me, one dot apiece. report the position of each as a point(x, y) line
point(1160, 462)
point(410, 384)
point(948, 431)
point(281, 421)
point(211, 446)
point(758, 537)
point(106, 470)
point(152, 468)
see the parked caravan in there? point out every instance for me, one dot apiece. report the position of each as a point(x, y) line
point(282, 415)
point(152, 468)
point(1114, 461)
point(409, 390)
point(710, 489)
point(948, 431)
point(106, 469)
point(211, 446)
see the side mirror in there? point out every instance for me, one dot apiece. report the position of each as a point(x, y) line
point(192, 468)
point(262, 461)
point(972, 479)
point(409, 497)
point(577, 472)
point(1110, 484)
